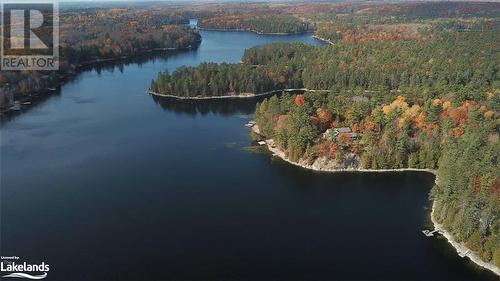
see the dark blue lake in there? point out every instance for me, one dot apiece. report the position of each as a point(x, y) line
point(104, 182)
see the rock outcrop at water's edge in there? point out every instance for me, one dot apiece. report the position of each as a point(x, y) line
point(461, 249)
point(323, 39)
point(352, 165)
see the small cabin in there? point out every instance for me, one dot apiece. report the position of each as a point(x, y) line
point(341, 130)
point(334, 133)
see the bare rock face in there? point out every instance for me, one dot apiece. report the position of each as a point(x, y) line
point(348, 162)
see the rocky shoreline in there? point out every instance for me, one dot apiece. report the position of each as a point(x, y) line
point(324, 165)
point(461, 249)
point(323, 39)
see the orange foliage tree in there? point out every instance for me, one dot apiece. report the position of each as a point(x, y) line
point(299, 100)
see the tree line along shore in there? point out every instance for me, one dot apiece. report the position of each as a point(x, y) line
point(91, 38)
point(280, 24)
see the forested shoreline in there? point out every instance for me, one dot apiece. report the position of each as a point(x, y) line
point(97, 38)
point(369, 65)
point(262, 24)
point(426, 102)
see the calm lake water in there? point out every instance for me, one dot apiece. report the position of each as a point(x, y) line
point(104, 182)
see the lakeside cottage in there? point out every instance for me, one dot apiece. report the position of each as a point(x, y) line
point(334, 133)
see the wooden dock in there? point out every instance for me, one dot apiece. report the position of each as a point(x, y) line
point(429, 233)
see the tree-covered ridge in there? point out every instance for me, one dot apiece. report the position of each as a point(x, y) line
point(449, 60)
point(286, 24)
point(111, 46)
point(373, 132)
point(468, 194)
point(253, 76)
point(434, 9)
point(403, 21)
point(350, 28)
point(113, 33)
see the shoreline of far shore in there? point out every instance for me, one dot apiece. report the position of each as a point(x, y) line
point(251, 30)
point(236, 96)
point(77, 70)
point(461, 249)
point(269, 33)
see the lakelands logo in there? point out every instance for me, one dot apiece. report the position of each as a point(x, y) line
point(12, 267)
point(30, 35)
